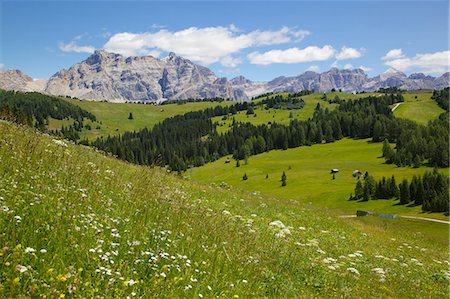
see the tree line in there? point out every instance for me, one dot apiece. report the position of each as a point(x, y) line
point(442, 97)
point(192, 139)
point(429, 191)
point(35, 109)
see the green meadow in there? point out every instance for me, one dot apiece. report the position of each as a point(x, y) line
point(75, 223)
point(308, 176)
point(283, 116)
point(113, 119)
point(418, 107)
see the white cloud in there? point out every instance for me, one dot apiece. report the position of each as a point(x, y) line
point(73, 47)
point(438, 62)
point(229, 61)
point(348, 53)
point(204, 45)
point(335, 64)
point(393, 54)
point(365, 68)
point(313, 68)
point(292, 55)
point(348, 66)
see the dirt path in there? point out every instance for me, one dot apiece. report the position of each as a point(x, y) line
point(426, 219)
point(408, 217)
point(395, 107)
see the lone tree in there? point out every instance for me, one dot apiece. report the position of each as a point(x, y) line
point(245, 177)
point(283, 179)
point(131, 116)
point(238, 163)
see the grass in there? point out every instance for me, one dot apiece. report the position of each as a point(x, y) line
point(419, 108)
point(77, 224)
point(114, 116)
point(309, 179)
point(282, 116)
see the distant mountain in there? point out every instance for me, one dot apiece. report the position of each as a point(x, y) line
point(16, 80)
point(113, 77)
point(349, 81)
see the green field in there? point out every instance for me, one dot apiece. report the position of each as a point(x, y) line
point(282, 116)
point(114, 116)
point(77, 224)
point(418, 107)
point(308, 176)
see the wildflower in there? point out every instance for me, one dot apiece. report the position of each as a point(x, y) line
point(43, 250)
point(21, 268)
point(283, 233)
point(30, 250)
point(131, 282)
point(353, 270)
point(277, 223)
point(62, 295)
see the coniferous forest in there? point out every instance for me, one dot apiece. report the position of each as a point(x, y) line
point(191, 139)
point(430, 190)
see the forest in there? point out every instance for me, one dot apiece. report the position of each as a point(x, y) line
point(430, 190)
point(191, 139)
point(34, 109)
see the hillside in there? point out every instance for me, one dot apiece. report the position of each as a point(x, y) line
point(114, 116)
point(308, 176)
point(76, 223)
point(419, 108)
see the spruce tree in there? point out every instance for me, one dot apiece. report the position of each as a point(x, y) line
point(283, 179)
point(405, 196)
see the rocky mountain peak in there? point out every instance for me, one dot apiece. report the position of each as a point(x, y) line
point(101, 56)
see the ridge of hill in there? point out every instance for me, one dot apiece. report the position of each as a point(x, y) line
point(77, 223)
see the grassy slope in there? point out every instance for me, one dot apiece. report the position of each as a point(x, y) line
point(264, 116)
point(421, 110)
point(114, 116)
point(309, 180)
point(112, 229)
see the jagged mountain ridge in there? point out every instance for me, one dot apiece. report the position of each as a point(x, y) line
point(113, 77)
point(355, 80)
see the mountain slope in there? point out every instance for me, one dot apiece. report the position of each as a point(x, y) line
point(346, 80)
point(16, 80)
point(112, 77)
point(79, 224)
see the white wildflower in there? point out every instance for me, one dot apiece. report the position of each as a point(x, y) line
point(21, 268)
point(353, 270)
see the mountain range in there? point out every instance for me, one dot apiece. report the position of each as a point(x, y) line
point(105, 76)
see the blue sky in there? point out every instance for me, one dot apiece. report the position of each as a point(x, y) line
point(258, 39)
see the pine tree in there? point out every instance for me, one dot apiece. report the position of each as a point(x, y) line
point(283, 179)
point(405, 196)
point(130, 116)
point(358, 190)
point(245, 177)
